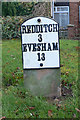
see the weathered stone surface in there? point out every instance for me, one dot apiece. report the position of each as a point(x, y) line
point(45, 82)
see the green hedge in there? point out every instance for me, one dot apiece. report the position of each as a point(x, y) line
point(11, 26)
point(17, 8)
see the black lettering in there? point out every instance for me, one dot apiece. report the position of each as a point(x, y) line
point(23, 29)
point(43, 47)
point(45, 25)
point(33, 28)
point(55, 28)
point(50, 28)
point(40, 38)
point(41, 28)
point(37, 28)
point(55, 46)
point(38, 47)
point(34, 47)
point(41, 56)
point(28, 27)
point(24, 48)
point(38, 56)
point(49, 47)
point(29, 46)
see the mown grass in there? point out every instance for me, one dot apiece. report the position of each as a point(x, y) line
point(19, 103)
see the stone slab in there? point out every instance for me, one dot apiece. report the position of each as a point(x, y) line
point(45, 82)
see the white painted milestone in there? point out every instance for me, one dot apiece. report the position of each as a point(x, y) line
point(40, 43)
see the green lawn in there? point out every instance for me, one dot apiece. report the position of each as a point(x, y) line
point(0, 79)
point(19, 103)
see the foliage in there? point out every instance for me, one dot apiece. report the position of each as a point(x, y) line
point(20, 103)
point(11, 27)
point(17, 8)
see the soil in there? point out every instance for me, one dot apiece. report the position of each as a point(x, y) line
point(65, 92)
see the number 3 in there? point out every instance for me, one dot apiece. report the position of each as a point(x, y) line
point(40, 38)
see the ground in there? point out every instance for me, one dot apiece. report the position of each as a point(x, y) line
point(19, 103)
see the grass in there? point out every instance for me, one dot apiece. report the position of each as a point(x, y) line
point(0, 79)
point(19, 103)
